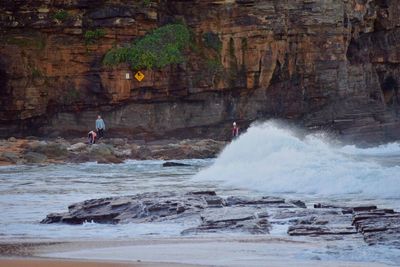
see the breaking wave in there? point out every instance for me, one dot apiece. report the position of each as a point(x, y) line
point(274, 159)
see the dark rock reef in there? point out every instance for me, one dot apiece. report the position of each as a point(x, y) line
point(213, 212)
point(174, 164)
point(331, 64)
point(208, 213)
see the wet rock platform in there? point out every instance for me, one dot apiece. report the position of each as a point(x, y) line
point(377, 226)
point(210, 213)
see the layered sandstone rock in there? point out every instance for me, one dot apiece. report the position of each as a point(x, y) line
point(331, 64)
point(206, 212)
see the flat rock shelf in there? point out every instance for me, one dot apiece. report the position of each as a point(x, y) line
point(216, 214)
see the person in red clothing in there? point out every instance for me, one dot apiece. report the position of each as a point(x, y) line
point(235, 131)
point(92, 137)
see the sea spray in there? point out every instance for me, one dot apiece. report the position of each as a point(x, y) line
point(274, 159)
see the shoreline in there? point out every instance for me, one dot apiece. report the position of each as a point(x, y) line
point(48, 262)
point(40, 262)
point(250, 251)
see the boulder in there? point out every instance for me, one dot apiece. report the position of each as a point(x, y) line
point(55, 150)
point(109, 159)
point(117, 141)
point(101, 150)
point(126, 153)
point(10, 157)
point(5, 161)
point(80, 157)
point(35, 144)
point(298, 203)
point(33, 157)
point(174, 164)
point(62, 141)
point(203, 148)
point(77, 147)
point(172, 151)
point(50, 149)
point(12, 139)
point(141, 153)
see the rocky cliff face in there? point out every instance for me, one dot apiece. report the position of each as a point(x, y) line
point(331, 64)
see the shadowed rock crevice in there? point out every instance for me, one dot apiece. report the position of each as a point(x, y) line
point(390, 91)
point(3, 83)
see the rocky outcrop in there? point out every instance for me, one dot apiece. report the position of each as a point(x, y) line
point(114, 150)
point(174, 164)
point(213, 212)
point(377, 226)
point(210, 213)
point(328, 64)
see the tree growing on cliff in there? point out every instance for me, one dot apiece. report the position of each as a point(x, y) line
point(162, 47)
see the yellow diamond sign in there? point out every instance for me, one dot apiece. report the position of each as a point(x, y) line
point(139, 76)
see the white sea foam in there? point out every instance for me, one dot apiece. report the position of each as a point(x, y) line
point(273, 159)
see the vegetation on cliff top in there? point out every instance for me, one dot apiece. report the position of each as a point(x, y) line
point(162, 47)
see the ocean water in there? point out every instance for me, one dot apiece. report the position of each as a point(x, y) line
point(269, 159)
point(29, 193)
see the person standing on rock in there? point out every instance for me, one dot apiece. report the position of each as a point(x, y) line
point(235, 131)
point(100, 126)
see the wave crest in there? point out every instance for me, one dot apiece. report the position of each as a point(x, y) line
point(273, 159)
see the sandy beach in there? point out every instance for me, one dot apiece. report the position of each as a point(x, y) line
point(35, 262)
point(230, 251)
point(82, 263)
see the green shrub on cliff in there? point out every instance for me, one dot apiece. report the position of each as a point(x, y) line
point(36, 73)
point(162, 47)
point(146, 3)
point(61, 15)
point(211, 40)
point(91, 36)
